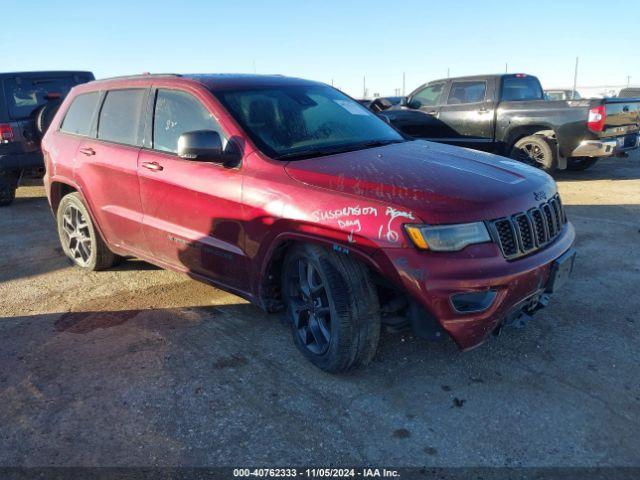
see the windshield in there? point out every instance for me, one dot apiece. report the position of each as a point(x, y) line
point(305, 120)
point(25, 94)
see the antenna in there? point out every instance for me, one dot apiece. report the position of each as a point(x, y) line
point(575, 80)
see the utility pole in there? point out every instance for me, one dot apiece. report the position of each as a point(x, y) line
point(447, 72)
point(364, 87)
point(332, 82)
point(628, 81)
point(575, 81)
point(403, 84)
point(506, 67)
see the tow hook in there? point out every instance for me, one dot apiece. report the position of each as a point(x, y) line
point(523, 315)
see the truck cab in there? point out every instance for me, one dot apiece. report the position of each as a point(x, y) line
point(509, 114)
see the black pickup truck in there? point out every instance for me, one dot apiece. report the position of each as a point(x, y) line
point(28, 102)
point(508, 114)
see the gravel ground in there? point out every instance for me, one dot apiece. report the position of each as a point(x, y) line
point(141, 366)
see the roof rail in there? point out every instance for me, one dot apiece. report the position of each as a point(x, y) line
point(141, 75)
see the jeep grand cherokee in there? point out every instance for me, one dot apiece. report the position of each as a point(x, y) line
point(292, 195)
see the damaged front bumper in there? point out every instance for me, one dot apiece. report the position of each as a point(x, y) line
point(518, 288)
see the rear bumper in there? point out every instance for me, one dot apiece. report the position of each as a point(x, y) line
point(433, 280)
point(13, 161)
point(606, 147)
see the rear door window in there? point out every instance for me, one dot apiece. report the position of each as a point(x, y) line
point(121, 116)
point(467, 92)
point(79, 117)
point(176, 113)
point(25, 94)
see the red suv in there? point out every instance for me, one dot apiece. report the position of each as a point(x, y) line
point(292, 195)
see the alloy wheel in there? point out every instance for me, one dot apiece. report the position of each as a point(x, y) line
point(310, 306)
point(77, 235)
point(531, 154)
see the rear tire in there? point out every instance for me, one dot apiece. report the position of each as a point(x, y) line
point(537, 151)
point(8, 187)
point(577, 164)
point(333, 308)
point(80, 240)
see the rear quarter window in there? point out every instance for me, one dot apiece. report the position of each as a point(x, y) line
point(79, 117)
point(121, 116)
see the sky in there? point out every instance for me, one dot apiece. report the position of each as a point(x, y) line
point(341, 42)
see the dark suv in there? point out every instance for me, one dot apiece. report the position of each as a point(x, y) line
point(28, 102)
point(294, 196)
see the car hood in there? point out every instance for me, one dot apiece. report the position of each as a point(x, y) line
point(439, 183)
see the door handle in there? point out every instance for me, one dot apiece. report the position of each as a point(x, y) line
point(484, 110)
point(88, 151)
point(155, 166)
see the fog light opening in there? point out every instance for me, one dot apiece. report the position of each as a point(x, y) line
point(473, 302)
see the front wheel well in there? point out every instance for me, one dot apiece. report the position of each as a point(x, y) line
point(394, 301)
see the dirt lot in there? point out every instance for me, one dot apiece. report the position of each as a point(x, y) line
point(140, 366)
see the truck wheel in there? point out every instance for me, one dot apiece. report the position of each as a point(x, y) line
point(80, 240)
point(8, 187)
point(333, 308)
point(535, 150)
point(580, 163)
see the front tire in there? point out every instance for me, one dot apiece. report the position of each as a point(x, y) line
point(80, 240)
point(537, 151)
point(333, 308)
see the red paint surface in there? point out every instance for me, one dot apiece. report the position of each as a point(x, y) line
point(223, 224)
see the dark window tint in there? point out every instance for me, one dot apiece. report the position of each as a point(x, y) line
point(80, 113)
point(25, 94)
point(121, 116)
point(176, 113)
point(303, 120)
point(467, 92)
point(427, 97)
point(521, 88)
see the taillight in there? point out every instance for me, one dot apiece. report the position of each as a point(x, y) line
point(597, 118)
point(6, 132)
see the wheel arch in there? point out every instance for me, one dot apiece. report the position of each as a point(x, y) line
point(57, 190)
point(268, 280)
point(521, 131)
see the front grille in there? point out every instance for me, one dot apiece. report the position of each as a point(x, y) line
point(527, 232)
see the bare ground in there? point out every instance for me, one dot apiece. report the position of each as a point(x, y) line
point(141, 366)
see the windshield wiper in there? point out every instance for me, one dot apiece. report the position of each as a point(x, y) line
point(378, 143)
point(318, 152)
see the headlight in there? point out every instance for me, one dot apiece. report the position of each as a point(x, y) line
point(447, 238)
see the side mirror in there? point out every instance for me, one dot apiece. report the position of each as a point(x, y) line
point(201, 146)
point(384, 117)
point(404, 101)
